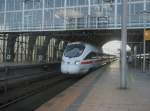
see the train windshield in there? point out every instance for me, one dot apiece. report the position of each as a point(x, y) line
point(74, 50)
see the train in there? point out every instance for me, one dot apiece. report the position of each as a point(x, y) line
point(80, 58)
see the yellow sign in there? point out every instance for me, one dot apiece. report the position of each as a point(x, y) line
point(147, 35)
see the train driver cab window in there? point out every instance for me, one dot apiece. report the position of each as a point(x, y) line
point(91, 55)
point(74, 50)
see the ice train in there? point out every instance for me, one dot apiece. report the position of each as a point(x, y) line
point(79, 58)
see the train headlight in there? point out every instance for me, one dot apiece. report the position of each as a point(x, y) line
point(77, 62)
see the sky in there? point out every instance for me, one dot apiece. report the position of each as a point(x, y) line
point(113, 47)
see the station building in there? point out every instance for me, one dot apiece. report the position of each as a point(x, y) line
point(38, 30)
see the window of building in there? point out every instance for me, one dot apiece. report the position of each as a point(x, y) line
point(48, 18)
point(59, 3)
point(49, 3)
point(82, 2)
point(1, 20)
point(28, 4)
point(2, 5)
point(148, 6)
point(38, 4)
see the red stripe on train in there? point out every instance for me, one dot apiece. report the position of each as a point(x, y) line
point(86, 62)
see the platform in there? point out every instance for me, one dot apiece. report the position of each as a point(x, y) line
point(100, 91)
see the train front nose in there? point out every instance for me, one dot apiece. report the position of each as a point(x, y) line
point(70, 68)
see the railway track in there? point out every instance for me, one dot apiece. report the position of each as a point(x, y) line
point(32, 89)
point(7, 83)
point(18, 75)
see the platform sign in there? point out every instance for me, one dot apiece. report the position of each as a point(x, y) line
point(147, 35)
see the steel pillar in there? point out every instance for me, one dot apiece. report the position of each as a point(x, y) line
point(4, 51)
point(123, 77)
point(31, 44)
point(144, 57)
point(10, 55)
point(56, 47)
point(43, 50)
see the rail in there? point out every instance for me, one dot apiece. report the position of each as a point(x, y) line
point(13, 75)
point(30, 90)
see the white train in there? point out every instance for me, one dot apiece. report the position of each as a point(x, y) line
point(79, 58)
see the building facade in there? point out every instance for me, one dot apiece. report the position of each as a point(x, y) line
point(52, 15)
point(27, 26)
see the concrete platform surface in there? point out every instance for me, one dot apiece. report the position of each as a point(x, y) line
point(100, 91)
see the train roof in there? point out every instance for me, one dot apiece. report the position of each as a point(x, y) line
point(78, 42)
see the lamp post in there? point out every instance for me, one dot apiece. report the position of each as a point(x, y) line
point(144, 39)
point(144, 48)
point(123, 76)
point(144, 42)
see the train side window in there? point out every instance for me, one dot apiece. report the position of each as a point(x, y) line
point(91, 55)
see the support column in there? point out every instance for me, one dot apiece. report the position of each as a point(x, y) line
point(31, 44)
point(131, 59)
point(116, 15)
point(64, 45)
point(43, 13)
point(5, 17)
point(123, 76)
point(56, 47)
point(4, 47)
point(10, 55)
point(135, 53)
point(43, 50)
